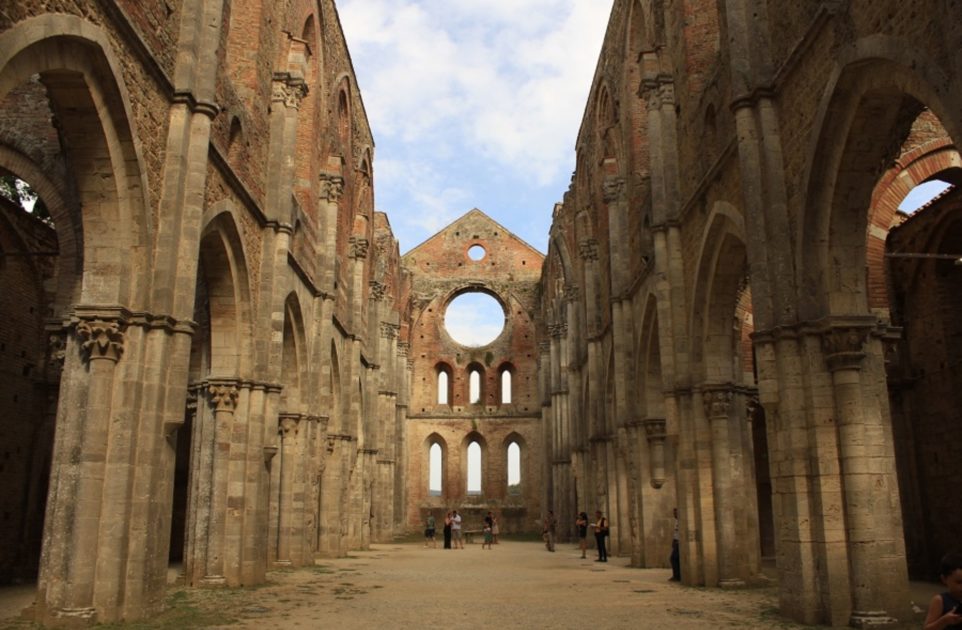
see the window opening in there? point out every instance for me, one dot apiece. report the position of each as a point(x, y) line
point(434, 470)
point(474, 319)
point(474, 386)
point(474, 468)
point(514, 469)
point(505, 386)
point(442, 387)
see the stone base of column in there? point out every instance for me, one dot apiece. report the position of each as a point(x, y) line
point(78, 614)
point(870, 619)
point(732, 583)
point(283, 563)
point(213, 581)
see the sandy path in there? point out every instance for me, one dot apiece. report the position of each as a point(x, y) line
point(515, 585)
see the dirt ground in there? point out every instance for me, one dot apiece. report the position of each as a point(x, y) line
point(514, 585)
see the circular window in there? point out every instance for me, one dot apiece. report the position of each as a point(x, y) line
point(476, 252)
point(474, 319)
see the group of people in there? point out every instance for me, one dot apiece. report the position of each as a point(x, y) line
point(452, 532)
point(601, 529)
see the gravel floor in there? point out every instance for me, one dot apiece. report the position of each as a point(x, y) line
point(513, 585)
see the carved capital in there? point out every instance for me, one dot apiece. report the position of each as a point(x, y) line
point(288, 90)
point(572, 292)
point(332, 187)
point(288, 424)
point(222, 397)
point(101, 339)
point(359, 247)
point(558, 330)
point(588, 249)
point(843, 347)
point(544, 347)
point(655, 429)
point(390, 331)
point(718, 402)
point(56, 349)
point(613, 189)
point(378, 290)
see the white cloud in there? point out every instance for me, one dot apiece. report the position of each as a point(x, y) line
point(506, 78)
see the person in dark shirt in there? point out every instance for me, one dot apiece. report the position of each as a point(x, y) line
point(582, 524)
point(945, 609)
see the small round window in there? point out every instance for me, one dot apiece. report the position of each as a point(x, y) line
point(476, 252)
point(474, 319)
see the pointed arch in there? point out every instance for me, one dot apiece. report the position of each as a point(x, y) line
point(83, 80)
point(721, 275)
point(223, 266)
point(870, 98)
point(293, 357)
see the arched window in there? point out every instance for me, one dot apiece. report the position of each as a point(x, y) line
point(514, 469)
point(443, 382)
point(505, 385)
point(474, 386)
point(435, 463)
point(474, 468)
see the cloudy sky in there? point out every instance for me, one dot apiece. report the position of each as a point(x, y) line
point(473, 103)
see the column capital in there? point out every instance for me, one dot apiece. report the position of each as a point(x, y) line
point(378, 290)
point(717, 402)
point(655, 429)
point(359, 247)
point(613, 189)
point(843, 347)
point(222, 396)
point(288, 423)
point(288, 90)
point(332, 187)
point(389, 330)
point(101, 338)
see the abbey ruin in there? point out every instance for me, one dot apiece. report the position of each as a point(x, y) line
point(214, 353)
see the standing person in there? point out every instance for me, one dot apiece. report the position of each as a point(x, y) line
point(945, 610)
point(675, 558)
point(582, 524)
point(447, 530)
point(488, 537)
point(550, 528)
point(429, 528)
point(456, 530)
point(495, 530)
point(601, 533)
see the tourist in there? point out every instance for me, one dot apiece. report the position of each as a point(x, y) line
point(581, 522)
point(550, 528)
point(456, 530)
point(447, 531)
point(495, 530)
point(945, 610)
point(675, 557)
point(488, 536)
point(429, 531)
point(601, 533)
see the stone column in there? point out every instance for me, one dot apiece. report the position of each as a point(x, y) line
point(864, 464)
point(329, 198)
point(287, 430)
point(222, 396)
point(102, 344)
point(718, 404)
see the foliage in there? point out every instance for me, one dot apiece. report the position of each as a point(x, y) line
point(19, 192)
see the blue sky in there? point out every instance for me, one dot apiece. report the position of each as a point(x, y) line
point(473, 103)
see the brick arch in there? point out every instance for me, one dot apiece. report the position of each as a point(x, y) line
point(224, 268)
point(87, 93)
point(869, 102)
point(293, 357)
point(439, 368)
point(469, 438)
point(506, 366)
point(920, 164)
point(721, 271)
